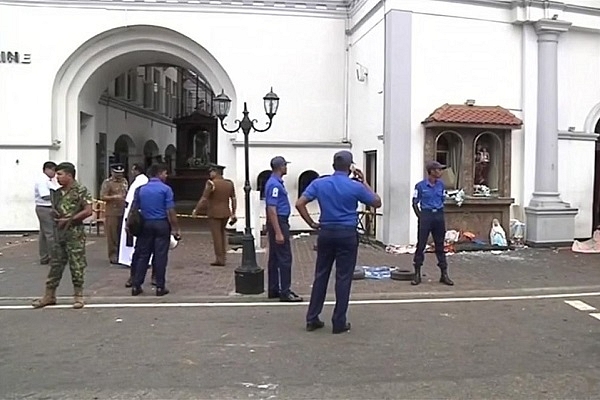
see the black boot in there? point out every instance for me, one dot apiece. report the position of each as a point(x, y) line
point(417, 278)
point(445, 279)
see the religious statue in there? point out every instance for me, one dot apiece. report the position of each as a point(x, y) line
point(201, 155)
point(482, 164)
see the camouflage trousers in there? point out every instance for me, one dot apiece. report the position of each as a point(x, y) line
point(69, 247)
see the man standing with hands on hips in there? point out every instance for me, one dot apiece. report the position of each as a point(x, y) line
point(278, 228)
point(338, 196)
point(428, 205)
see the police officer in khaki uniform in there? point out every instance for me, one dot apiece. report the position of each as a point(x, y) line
point(218, 193)
point(113, 192)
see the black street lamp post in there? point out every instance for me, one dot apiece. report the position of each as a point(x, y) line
point(249, 277)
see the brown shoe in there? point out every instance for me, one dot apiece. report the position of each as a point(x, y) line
point(49, 299)
point(78, 298)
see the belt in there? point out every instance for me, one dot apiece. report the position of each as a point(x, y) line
point(432, 210)
point(338, 227)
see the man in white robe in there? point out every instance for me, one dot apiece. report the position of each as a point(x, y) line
point(127, 242)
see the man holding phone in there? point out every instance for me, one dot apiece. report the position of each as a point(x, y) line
point(218, 194)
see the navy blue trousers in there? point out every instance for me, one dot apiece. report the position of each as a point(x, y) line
point(339, 244)
point(154, 240)
point(280, 259)
point(431, 222)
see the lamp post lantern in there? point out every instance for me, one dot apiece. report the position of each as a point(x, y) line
point(249, 277)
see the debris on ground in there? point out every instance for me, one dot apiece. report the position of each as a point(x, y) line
point(589, 246)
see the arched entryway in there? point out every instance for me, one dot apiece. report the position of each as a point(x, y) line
point(170, 158)
point(596, 203)
point(151, 153)
point(124, 146)
point(83, 77)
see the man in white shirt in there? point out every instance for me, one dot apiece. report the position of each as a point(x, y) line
point(43, 209)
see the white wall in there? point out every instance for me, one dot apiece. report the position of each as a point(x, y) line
point(459, 59)
point(365, 99)
point(257, 51)
point(576, 180)
point(301, 159)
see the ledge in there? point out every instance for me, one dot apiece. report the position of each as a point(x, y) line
point(582, 136)
point(321, 145)
point(134, 109)
point(29, 146)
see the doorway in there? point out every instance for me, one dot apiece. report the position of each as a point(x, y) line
point(596, 203)
point(371, 178)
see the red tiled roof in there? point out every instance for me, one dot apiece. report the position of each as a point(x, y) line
point(473, 115)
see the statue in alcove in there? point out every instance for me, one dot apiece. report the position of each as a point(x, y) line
point(482, 165)
point(201, 146)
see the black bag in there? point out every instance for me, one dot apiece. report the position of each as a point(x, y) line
point(135, 221)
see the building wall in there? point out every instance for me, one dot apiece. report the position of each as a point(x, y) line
point(365, 98)
point(257, 51)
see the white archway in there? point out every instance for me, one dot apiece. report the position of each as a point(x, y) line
point(592, 119)
point(105, 56)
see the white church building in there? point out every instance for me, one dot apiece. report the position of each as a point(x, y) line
point(505, 92)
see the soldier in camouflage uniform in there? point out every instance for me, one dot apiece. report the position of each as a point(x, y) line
point(71, 204)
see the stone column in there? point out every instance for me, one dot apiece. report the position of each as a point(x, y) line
point(397, 127)
point(550, 221)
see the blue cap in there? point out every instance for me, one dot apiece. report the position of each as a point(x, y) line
point(434, 165)
point(343, 156)
point(278, 162)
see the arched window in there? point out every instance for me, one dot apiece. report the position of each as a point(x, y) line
point(151, 152)
point(261, 181)
point(449, 151)
point(170, 154)
point(487, 169)
point(305, 179)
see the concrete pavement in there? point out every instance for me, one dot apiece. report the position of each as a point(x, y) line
point(524, 349)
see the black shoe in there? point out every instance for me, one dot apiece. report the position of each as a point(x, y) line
point(417, 278)
point(136, 290)
point(274, 295)
point(217, 264)
point(162, 291)
point(291, 297)
point(313, 326)
point(128, 284)
point(345, 328)
point(445, 279)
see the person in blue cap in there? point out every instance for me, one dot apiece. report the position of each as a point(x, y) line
point(338, 196)
point(278, 229)
point(428, 205)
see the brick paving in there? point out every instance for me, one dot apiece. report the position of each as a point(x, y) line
point(190, 275)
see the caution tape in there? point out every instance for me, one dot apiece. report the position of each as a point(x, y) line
point(204, 216)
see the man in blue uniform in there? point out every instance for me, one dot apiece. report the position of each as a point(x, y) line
point(428, 205)
point(278, 228)
point(157, 206)
point(338, 196)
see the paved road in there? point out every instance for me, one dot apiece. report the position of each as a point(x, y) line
point(512, 349)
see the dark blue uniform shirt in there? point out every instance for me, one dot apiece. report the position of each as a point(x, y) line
point(338, 198)
point(155, 199)
point(429, 195)
point(276, 196)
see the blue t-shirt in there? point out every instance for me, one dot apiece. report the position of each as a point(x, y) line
point(155, 199)
point(276, 196)
point(429, 195)
point(338, 198)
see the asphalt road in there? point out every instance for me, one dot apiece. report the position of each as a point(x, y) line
point(518, 349)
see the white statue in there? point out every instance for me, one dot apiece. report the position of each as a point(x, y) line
point(497, 234)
